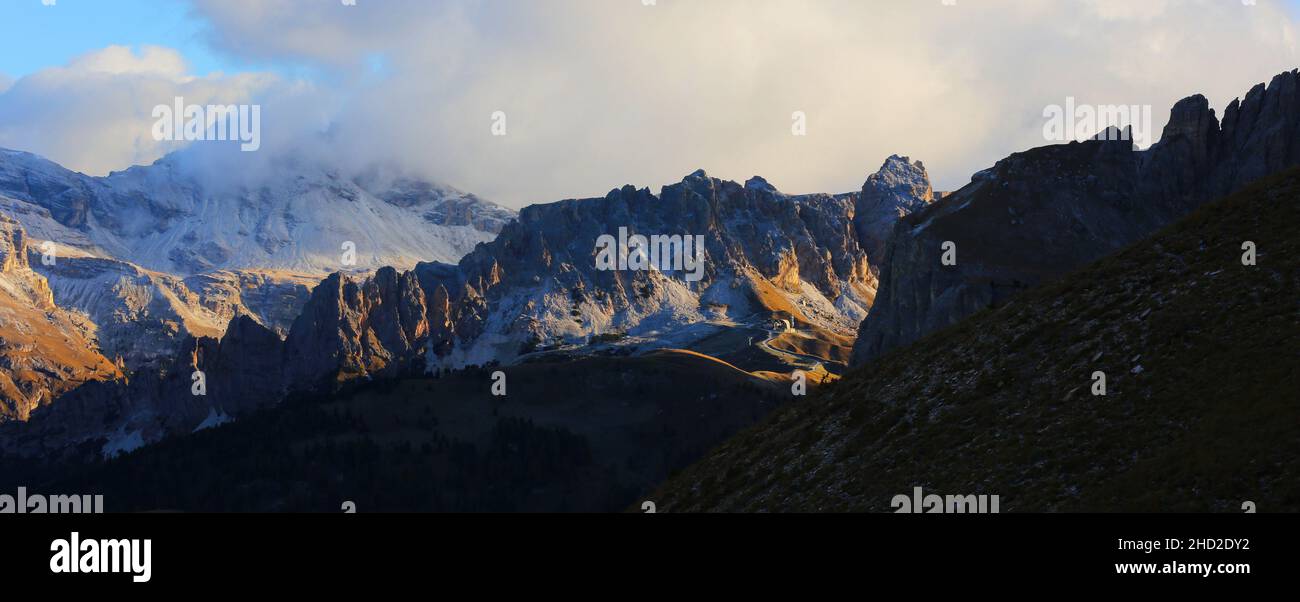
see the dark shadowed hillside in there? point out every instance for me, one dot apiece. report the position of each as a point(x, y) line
point(1202, 412)
point(590, 434)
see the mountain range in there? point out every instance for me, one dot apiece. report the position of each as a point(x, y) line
point(127, 292)
point(532, 291)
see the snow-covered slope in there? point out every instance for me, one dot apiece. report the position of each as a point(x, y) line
point(765, 254)
point(175, 218)
point(142, 315)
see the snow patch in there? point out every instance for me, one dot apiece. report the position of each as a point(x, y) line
point(214, 419)
point(122, 442)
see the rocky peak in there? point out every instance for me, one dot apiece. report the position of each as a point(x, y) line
point(1194, 129)
point(15, 267)
point(397, 313)
point(1041, 213)
point(539, 280)
point(1259, 133)
point(900, 174)
point(760, 184)
point(1192, 118)
point(13, 245)
point(351, 328)
point(897, 189)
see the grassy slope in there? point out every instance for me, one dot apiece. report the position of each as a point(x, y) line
point(1000, 404)
point(822, 343)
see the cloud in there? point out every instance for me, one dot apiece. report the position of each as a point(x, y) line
point(601, 93)
point(120, 60)
point(95, 114)
point(598, 94)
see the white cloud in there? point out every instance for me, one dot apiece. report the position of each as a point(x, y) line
point(95, 114)
point(120, 60)
point(600, 93)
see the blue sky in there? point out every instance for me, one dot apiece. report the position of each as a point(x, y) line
point(36, 36)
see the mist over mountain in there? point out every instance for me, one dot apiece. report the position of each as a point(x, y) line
point(534, 291)
point(170, 276)
point(268, 266)
point(196, 211)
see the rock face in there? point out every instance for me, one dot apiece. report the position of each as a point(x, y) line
point(239, 372)
point(44, 350)
point(538, 284)
point(178, 276)
point(176, 218)
point(1039, 214)
point(350, 329)
point(155, 254)
point(142, 315)
point(274, 299)
point(13, 247)
point(899, 189)
point(243, 368)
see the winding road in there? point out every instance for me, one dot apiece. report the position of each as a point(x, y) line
point(803, 361)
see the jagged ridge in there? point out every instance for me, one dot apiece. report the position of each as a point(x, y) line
point(1036, 215)
point(1201, 357)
